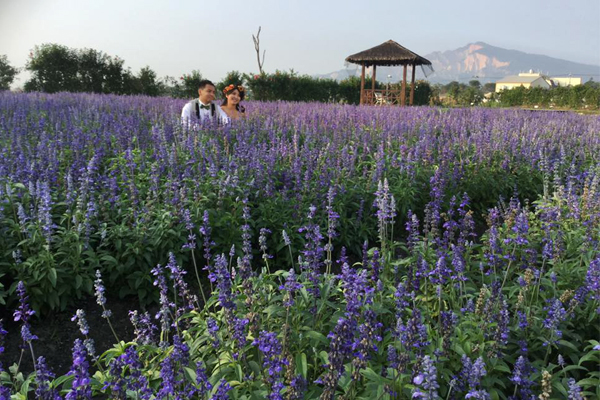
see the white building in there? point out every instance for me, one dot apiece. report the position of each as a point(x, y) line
point(526, 79)
point(566, 81)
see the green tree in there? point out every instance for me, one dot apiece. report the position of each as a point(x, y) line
point(7, 73)
point(147, 83)
point(489, 87)
point(232, 77)
point(453, 90)
point(591, 83)
point(92, 69)
point(470, 96)
point(349, 90)
point(189, 85)
point(114, 76)
point(475, 84)
point(53, 68)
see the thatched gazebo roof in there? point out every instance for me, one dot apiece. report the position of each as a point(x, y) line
point(387, 54)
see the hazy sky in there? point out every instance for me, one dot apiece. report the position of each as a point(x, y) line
point(312, 37)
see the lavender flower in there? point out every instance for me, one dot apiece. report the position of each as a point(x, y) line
point(286, 238)
point(189, 225)
point(340, 348)
point(593, 280)
point(204, 386)
point(165, 304)
point(100, 298)
point(365, 343)
point(181, 287)
point(290, 287)
point(23, 312)
point(246, 268)
point(3, 333)
point(237, 328)
point(574, 390)
point(413, 335)
point(556, 314)
point(81, 322)
point(221, 392)
point(205, 230)
point(144, 329)
point(273, 361)
point(171, 373)
point(426, 381)
point(471, 375)
point(332, 218)
point(213, 329)
point(520, 377)
point(262, 242)
point(5, 393)
point(221, 276)
point(357, 291)
point(412, 227)
point(80, 388)
point(313, 251)
point(43, 376)
point(125, 373)
point(44, 212)
point(386, 208)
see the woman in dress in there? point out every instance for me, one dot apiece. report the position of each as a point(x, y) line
point(231, 104)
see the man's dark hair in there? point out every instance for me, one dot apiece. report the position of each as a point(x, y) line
point(205, 82)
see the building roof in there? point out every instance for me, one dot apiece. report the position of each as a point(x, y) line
point(519, 79)
point(387, 54)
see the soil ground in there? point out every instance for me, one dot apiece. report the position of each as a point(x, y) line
point(56, 333)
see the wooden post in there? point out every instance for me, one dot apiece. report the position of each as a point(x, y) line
point(373, 84)
point(412, 85)
point(362, 85)
point(373, 79)
point(403, 93)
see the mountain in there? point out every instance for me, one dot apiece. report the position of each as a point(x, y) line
point(483, 62)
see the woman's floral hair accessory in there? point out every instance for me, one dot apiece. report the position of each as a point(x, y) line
point(231, 87)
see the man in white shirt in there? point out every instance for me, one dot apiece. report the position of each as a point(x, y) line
point(203, 107)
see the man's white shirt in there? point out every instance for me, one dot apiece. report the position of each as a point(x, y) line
point(188, 114)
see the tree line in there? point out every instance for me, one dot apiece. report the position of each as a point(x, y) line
point(55, 68)
point(586, 96)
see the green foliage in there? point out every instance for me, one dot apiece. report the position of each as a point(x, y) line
point(395, 315)
point(186, 87)
point(57, 68)
point(289, 86)
point(232, 78)
point(53, 68)
point(571, 97)
point(7, 73)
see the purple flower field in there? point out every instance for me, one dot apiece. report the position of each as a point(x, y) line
point(308, 251)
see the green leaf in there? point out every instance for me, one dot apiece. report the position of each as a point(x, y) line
point(589, 382)
point(374, 376)
point(569, 345)
point(302, 364)
point(255, 368)
point(318, 336)
point(78, 281)
point(52, 277)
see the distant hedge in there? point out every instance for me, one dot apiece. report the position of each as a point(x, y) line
point(290, 86)
point(575, 97)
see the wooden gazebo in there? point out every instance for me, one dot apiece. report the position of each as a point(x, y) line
point(387, 54)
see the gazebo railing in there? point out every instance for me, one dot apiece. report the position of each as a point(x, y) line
point(382, 97)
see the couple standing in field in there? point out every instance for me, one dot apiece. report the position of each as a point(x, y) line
point(204, 108)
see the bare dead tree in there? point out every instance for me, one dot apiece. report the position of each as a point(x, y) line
point(256, 40)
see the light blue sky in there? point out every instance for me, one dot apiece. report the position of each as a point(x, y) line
point(313, 37)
